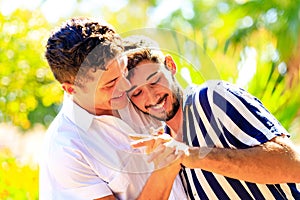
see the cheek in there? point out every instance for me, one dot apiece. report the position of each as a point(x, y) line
point(138, 102)
point(135, 101)
point(102, 96)
point(163, 84)
point(168, 86)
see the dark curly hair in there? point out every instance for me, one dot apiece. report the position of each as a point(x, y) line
point(79, 45)
point(140, 48)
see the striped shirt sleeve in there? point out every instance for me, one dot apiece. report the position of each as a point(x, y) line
point(242, 116)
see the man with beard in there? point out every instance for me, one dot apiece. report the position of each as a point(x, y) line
point(236, 148)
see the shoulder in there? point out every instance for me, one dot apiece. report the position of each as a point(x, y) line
point(221, 95)
point(65, 161)
point(202, 93)
point(219, 90)
point(61, 132)
point(208, 87)
point(222, 87)
point(62, 144)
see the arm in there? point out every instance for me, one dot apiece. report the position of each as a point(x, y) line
point(275, 161)
point(167, 165)
point(270, 160)
point(110, 197)
point(159, 184)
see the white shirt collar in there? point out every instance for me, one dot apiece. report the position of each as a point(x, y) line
point(76, 114)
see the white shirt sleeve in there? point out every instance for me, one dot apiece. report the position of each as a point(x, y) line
point(88, 192)
point(74, 177)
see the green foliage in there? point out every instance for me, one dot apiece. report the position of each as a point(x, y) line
point(28, 93)
point(279, 20)
point(273, 91)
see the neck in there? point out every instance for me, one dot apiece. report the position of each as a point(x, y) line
point(176, 124)
point(97, 112)
point(105, 112)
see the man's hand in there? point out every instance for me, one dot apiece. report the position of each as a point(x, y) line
point(149, 142)
point(169, 153)
point(163, 149)
point(166, 158)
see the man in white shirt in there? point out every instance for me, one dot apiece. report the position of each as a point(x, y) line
point(87, 153)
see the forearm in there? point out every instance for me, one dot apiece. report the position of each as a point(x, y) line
point(273, 162)
point(159, 184)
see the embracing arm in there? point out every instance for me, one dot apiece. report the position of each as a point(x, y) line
point(159, 184)
point(110, 197)
point(275, 161)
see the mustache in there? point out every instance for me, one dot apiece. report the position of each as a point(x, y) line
point(158, 102)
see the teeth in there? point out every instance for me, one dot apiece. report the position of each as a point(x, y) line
point(119, 96)
point(159, 106)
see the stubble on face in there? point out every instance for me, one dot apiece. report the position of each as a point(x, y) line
point(166, 115)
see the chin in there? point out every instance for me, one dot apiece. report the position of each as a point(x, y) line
point(119, 105)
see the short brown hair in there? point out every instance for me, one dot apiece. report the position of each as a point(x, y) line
point(79, 45)
point(140, 48)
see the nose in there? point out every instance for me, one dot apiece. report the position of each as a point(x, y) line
point(151, 96)
point(123, 84)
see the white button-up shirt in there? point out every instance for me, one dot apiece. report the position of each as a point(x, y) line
point(87, 157)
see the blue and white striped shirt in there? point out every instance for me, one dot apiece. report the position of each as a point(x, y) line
point(218, 114)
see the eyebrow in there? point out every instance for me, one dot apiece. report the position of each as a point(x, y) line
point(133, 87)
point(150, 76)
point(110, 81)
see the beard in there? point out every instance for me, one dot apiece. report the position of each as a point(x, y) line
point(166, 116)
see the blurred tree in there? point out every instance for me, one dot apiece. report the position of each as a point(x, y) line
point(252, 43)
point(273, 28)
point(28, 94)
point(13, 176)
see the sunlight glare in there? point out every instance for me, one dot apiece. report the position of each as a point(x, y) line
point(7, 7)
point(185, 74)
point(55, 9)
point(163, 10)
point(247, 66)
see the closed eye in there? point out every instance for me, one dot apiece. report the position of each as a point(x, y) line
point(110, 84)
point(137, 93)
point(155, 82)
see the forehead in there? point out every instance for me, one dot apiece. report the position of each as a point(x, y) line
point(144, 71)
point(114, 69)
point(120, 60)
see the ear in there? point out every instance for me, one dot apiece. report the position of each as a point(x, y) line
point(170, 64)
point(68, 88)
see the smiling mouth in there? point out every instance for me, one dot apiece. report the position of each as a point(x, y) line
point(121, 95)
point(160, 104)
